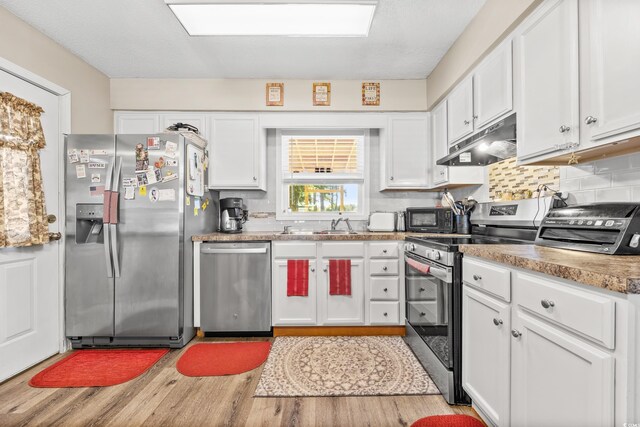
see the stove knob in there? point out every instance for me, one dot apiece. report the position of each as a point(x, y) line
point(436, 255)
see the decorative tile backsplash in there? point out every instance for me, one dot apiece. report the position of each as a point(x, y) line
point(505, 176)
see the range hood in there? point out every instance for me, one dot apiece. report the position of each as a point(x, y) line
point(495, 143)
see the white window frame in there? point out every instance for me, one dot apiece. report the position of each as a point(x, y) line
point(282, 198)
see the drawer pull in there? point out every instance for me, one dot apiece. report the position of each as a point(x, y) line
point(324, 269)
point(386, 289)
point(516, 333)
point(547, 303)
point(385, 314)
point(497, 321)
point(422, 289)
point(384, 251)
point(477, 277)
point(384, 268)
point(313, 270)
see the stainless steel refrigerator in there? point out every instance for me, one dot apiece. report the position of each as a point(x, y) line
point(132, 204)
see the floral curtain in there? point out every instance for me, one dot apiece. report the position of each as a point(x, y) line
point(23, 216)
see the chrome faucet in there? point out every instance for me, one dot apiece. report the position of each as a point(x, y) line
point(334, 224)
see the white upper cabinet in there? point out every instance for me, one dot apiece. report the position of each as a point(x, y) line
point(439, 142)
point(460, 111)
point(237, 152)
point(136, 123)
point(493, 86)
point(547, 80)
point(610, 61)
point(406, 152)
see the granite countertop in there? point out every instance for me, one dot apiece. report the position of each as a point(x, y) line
point(616, 273)
point(277, 235)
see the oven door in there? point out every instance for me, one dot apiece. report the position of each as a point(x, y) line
point(429, 294)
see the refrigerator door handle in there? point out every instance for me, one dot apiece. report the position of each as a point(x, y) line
point(106, 219)
point(115, 187)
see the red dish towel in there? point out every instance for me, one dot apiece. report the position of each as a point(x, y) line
point(339, 277)
point(420, 267)
point(297, 277)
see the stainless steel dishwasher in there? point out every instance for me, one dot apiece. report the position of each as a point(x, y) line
point(235, 287)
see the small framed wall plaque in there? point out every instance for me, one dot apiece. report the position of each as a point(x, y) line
point(322, 94)
point(371, 93)
point(275, 94)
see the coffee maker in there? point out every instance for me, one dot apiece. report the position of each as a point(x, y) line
point(232, 215)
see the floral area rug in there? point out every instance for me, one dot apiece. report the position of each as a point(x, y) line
point(342, 366)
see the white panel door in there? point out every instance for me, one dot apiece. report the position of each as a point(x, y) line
point(460, 111)
point(486, 330)
point(439, 142)
point(29, 277)
point(493, 86)
point(408, 154)
point(298, 310)
point(342, 309)
point(235, 152)
point(136, 123)
point(557, 379)
point(546, 66)
point(610, 60)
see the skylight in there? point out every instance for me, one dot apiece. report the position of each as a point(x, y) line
point(272, 18)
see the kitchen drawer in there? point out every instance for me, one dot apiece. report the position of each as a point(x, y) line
point(424, 313)
point(586, 313)
point(381, 267)
point(384, 288)
point(383, 250)
point(488, 277)
point(421, 288)
point(343, 250)
point(384, 313)
point(294, 250)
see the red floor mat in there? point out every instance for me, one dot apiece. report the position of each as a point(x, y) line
point(205, 360)
point(97, 368)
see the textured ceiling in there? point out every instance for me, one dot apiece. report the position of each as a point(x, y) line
point(142, 38)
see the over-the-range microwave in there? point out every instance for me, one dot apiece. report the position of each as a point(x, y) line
point(429, 220)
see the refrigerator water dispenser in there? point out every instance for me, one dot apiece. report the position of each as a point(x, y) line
point(89, 223)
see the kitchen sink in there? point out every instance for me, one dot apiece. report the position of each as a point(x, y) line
point(324, 232)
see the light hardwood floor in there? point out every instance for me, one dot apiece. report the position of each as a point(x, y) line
point(164, 397)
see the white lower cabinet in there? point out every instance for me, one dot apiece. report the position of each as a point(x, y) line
point(486, 336)
point(558, 379)
point(377, 296)
point(528, 367)
point(342, 309)
point(292, 310)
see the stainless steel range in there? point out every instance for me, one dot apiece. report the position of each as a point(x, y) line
point(433, 280)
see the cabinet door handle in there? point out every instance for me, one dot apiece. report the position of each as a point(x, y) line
point(422, 289)
point(590, 120)
point(385, 314)
point(313, 270)
point(255, 179)
point(516, 333)
point(564, 129)
point(423, 314)
point(324, 269)
point(497, 321)
point(547, 303)
point(466, 122)
point(391, 178)
point(475, 117)
point(385, 289)
point(477, 277)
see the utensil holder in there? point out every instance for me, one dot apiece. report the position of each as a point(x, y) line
point(462, 223)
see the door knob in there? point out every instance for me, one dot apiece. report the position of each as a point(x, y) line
point(497, 321)
point(547, 303)
point(55, 236)
point(516, 333)
point(564, 129)
point(590, 120)
point(51, 219)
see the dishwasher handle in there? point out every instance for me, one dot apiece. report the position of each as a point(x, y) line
point(206, 250)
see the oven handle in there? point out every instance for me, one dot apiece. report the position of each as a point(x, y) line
point(433, 270)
